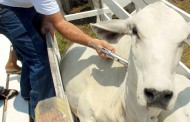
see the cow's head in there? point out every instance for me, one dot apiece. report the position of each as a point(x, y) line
point(157, 33)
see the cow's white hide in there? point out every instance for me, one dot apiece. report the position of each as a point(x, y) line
point(102, 90)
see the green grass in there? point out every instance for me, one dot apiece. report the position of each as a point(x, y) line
point(82, 24)
point(64, 43)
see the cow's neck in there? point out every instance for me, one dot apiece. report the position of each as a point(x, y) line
point(135, 112)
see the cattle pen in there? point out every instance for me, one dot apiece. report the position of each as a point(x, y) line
point(16, 109)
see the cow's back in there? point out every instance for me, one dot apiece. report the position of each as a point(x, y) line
point(83, 70)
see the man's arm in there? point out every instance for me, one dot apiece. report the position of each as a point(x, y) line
point(71, 32)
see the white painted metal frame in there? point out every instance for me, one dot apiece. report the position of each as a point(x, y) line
point(104, 11)
point(86, 14)
point(116, 8)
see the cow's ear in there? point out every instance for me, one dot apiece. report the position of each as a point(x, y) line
point(110, 30)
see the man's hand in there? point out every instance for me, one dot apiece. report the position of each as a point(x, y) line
point(47, 26)
point(103, 44)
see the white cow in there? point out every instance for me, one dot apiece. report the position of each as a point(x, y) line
point(102, 90)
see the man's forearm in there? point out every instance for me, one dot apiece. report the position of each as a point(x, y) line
point(68, 30)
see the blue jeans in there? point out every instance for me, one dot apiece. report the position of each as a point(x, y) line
point(21, 26)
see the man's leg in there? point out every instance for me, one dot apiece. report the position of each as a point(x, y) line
point(11, 67)
point(16, 25)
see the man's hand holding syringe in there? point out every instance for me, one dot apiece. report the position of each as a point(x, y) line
point(109, 53)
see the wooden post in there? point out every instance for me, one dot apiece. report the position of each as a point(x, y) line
point(52, 110)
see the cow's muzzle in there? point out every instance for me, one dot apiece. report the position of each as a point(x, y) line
point(158, 99)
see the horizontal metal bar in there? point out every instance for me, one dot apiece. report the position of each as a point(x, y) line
point(87, 14)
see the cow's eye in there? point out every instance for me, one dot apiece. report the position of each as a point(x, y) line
point(134, 31)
